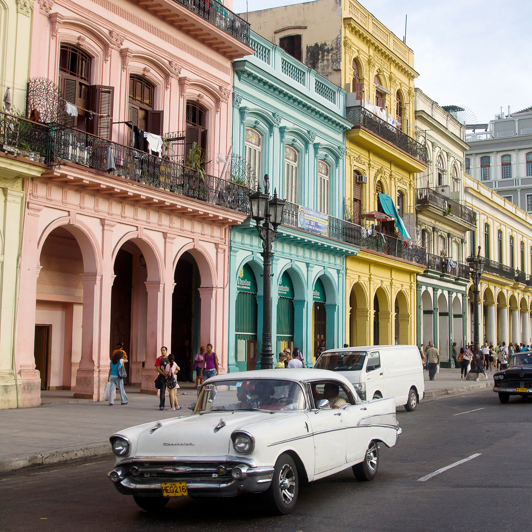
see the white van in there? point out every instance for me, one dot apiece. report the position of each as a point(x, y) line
point(380, 371)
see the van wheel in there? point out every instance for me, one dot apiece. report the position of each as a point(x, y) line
point(367, 470)
point(412, 400)
point(377, 395)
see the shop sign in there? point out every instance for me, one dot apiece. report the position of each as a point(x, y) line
point(286, 289)
point(246, 281)
point(313, 221)
point(319, 292)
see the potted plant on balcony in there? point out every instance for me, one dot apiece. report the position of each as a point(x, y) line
point(196, 162)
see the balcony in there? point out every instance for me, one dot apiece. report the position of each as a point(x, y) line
point(356, 235)
point(199, 18)
point(362, 118)
point(428, 197)
point(445, 266)
point(22, 138)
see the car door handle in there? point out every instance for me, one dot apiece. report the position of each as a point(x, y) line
point(338, 414)
point(381, 373)
point(363, 408)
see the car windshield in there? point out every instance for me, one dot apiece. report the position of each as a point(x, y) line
point(521, 359)
point(253, 394)
point(341, 361)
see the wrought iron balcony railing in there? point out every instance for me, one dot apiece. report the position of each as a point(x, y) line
point(428, 196)
point(491, 266)
point(24, 138)
point(359, 116)
point(77, 147)
point(447, 266)
point(221, 17)
point(356, 235)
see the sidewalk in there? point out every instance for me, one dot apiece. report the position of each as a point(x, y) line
point(64, 428)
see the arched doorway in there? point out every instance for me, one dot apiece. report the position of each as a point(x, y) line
point(402, 320)
point(490, 317)
point(246, 320)
point(285, 314)
point(458, 328)
point(427, 317)
point(186, 314)
point(359, 320)
point(319, 319)
point(381, 318)
point(502, 322)
point(443, 328)
point(59, 311)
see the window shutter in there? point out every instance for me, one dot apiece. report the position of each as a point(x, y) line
point(69, 87)
point(155, 122)
point(134, 115)
point(101, 102)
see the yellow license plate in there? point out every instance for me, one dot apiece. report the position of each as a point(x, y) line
point(174, 489)
point(521, 390)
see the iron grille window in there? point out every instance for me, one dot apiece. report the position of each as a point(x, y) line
point(506, 166)
point(485, 168)
point(529, 164)
point(529, 202)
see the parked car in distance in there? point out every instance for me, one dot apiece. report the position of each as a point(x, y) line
point(260, 432)
point(517, 379)
point(380, 371)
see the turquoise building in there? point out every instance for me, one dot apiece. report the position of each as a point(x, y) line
point(289, 123)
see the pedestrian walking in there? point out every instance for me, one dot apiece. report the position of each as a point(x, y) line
point(486, 355)
point(465, 360)
point(198, 366)
point(171, 382)
point(479, 363)
point(433, 357)
point(210, 363)
point(455, 356)
point(299, 355)
point(160, 366)
point(503, 357)
point(294, 361)
point(422, 355)
point(116, 380)
point(280, 364)
point(493, 357)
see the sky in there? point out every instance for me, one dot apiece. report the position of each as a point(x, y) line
point(472, 53)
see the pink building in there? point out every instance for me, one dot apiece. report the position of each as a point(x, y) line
point(122, 242)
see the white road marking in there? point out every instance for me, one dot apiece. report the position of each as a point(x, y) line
point(469, 411)
point(437, 472)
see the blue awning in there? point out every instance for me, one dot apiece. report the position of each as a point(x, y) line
point(389, 208)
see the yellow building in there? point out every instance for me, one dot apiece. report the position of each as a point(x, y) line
point(504, 234)
point(354, 50)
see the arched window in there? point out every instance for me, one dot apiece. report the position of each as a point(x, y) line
point(468, 165)
point(485, 168)
point(440, 170)
point(499, 245)
point(254, 154)
point(196, 126)
point(442, 245)
point(400, 203)
point(357, 197)
point(399, 109)
point(290, 173)
point(323, 187)
point(529, 164)
point(141, 101)
point(379, 93)
point(487, 241)
point(357, 86)
point(506, 166)
point(74, 83)
point(454, 179)
point(378, 187)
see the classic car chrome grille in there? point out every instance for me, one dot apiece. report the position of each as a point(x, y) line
point(181, 470)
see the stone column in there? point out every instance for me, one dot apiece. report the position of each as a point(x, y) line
point(88, 375)
point(153, 335)
point(491, 324)
point(435, 321)
point(332, 326)
point(168, 276)
point(207, 318)
point(419, 314)
point(503, 319)
point(385, 328)
point(29, 379)
point(515, 326)
point(450, 298)
point(525, 334)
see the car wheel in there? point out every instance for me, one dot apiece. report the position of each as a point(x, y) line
point(151, 504)
point(282, 494)
point(412, 400)
point(504, 397)
point(367, 470)
point(377, 395)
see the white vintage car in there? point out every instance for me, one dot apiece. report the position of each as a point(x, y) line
point(255, 432)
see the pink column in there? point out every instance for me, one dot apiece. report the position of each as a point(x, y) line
point(153, 335)
point(207, 326)
point(29, 382)
point(88, 376)
point(168, 289)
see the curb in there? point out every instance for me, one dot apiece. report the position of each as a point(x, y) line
point(459, 390)
point(55, 457)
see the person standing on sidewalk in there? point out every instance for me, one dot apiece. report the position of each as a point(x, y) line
point(465, 359)
point(479, 363)
point(455, 356)
point(210, 363)
point(503, 356)
point(171, 382)
point(433, 356)
point(198, 366)
point(160, 366)
point(115, 380)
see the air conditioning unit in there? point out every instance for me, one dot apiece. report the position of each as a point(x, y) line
point(362, 178)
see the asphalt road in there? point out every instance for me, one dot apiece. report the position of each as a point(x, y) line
point(491, 491)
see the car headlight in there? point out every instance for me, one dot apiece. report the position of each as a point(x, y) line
point(498, 377)
point(243, 442)
point(120, 446)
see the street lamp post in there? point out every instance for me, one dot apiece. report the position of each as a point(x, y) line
point(268, 213)
point(476, 265)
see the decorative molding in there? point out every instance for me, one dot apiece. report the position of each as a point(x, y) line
point(81, 40)
point(125, 53)
point(311, 135)
point(45, 6)
point(55, 20)
point(116, 38)
point(276, 119)
point(146, 71)
point(226, 92)
point(184, 82)
point(25, 7)
point(174, 67)
point(237, 100)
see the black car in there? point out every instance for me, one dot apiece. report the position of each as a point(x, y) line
point(517, 379)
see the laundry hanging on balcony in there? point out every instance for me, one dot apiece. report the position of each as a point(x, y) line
point(155, 143)
point(71, 109)
point(389, 208)
point(7, 99)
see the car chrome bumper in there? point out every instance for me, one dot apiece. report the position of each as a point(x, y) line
point(511, 390)
point(256, 480)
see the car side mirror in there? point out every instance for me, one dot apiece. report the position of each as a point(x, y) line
point(370, 368)
point(192, 406)
point(323, 403)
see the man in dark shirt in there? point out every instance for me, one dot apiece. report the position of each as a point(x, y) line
point(479, 362)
